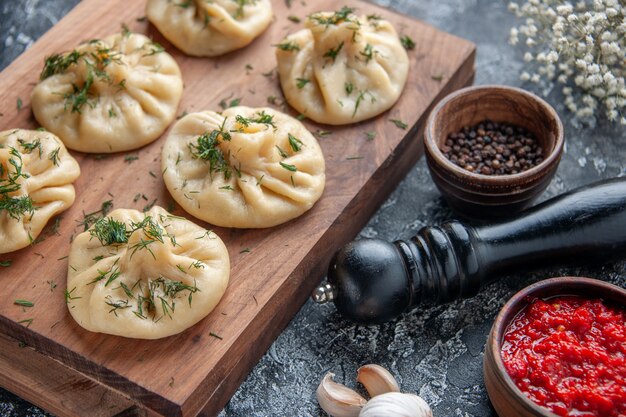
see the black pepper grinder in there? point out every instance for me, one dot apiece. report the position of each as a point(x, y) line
point(372, 281)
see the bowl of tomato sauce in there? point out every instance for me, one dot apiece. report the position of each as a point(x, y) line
point(558, 348)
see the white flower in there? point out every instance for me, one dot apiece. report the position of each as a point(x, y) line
point(565, 9)
point(552, 57)
point(513, 7)
point(582, 47)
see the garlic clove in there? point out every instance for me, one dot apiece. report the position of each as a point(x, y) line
point(396, 404)
point(337, 399)
point(377, 380)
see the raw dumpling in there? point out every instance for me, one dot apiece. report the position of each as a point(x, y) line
point(210, 27)
point(109, 95)
point(342, 68)
point(36, 176)
point(244, 168)
point(145, 275)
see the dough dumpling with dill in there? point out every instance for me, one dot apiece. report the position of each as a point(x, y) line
point(36, 176)
point(210, 28)
point(108, 95)
point(145, 275)
point(246, 168)
point(342, 68)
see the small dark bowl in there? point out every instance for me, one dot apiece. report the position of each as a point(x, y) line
point(484, 196)
point(505, 397)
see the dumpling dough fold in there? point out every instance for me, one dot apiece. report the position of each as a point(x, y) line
point(109, 95)
point(36, 176)
point(266, 168)
point(156, 277)
point(210, 28)
point(342, 68)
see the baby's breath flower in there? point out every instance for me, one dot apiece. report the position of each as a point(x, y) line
point(582, 46)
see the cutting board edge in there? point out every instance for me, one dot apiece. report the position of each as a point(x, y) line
point(17, 331)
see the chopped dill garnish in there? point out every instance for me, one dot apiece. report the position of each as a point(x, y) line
point(224, 104)
point(109, 231)
point(407, 42)
point(240, 5)
point(288, 46)
point(29, 147)
point(54, 156)
point(294, 19)
point(206, 147)
point(335, 18)
point(371, 135)
point(59, 63)
point(116, 305)
point(112, 112)
point(399, 124)
point(294, 142)
point(6, 263)
point(322, 133)
point(156, 48)
point(24, 303)
point(262, 118)
point(333, 52)
point(19, 103)
point(360, 98)
point(282, 153)
point(91, 218)
point(149, 206)
point(245, 250)
point(217, 336)
point(367, 52)
point(197, 265)
point(80, 95)
point(28, 322)
point(130, 158)
point(227, 187)
point(349, 88)
point(16, 207)
point(126, 30)
point(301, 82)
point(438, 77)
point(288, 167)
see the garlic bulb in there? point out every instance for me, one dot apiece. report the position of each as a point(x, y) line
point(338, 400)
point(377, 380)
point(396, 404)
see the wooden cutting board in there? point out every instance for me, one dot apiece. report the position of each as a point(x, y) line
point(59, 366)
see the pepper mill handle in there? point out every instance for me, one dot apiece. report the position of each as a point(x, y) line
point(372, 281)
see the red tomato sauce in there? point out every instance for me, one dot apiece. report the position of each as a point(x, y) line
point(568, 354)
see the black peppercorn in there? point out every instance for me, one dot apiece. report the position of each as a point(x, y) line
point(490, 148)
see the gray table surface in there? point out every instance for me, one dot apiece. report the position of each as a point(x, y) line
point(435, 352)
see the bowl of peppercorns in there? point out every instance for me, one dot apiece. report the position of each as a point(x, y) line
point(492, 150)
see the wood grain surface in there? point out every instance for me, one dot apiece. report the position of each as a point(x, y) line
point(273, 270)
